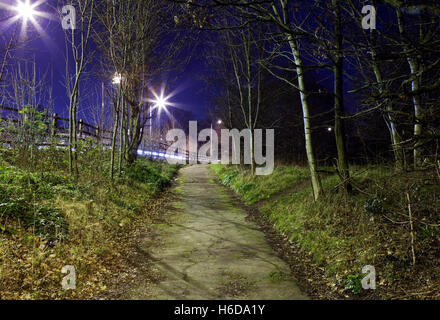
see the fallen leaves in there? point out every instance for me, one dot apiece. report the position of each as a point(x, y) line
point(29, 270)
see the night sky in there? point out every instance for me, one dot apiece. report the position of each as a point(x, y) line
point(48, 48)
point(190, 92)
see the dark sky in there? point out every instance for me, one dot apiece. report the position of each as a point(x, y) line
point(48, 48)
point(49, 51)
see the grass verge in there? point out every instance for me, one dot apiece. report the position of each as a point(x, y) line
point(48, 220)
point(343, 233)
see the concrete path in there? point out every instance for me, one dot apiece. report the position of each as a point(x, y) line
point(210, 251)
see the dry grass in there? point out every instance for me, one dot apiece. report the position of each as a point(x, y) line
point(100, 219)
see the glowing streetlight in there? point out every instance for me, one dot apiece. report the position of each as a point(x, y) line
point(219, 121)
point(161, 102)
point(329, 129)
point(117, 79)
point(25, 10)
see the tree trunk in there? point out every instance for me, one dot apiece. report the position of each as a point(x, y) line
point(343, 168)
point(415, 86)
point(394, 135)
point(121, 138)
point(115, 132)
point(316, 182)
point(250, 97)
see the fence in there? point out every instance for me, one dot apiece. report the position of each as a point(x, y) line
point(155, 149)
point(84, 130)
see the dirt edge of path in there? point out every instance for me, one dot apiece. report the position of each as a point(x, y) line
point(310, 277)
point(134, 265)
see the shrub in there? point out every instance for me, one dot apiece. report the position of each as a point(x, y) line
point(374, 205)
point(48, 223)
point(229, 177)
point(353, 282)
point(20, 193)
point(245, 187)
point(152, 172)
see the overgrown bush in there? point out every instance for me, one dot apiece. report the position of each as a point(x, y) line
point(374, 205)
point(152, 172)
point(41, 203)
point(353, 282)
point(48, 222)
point(21, 196)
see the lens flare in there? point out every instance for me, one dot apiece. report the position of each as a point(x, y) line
point(161, 102)
point(25, 10)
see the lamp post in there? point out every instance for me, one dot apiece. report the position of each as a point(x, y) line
point(218, 122)
point(151, 123)
point(161, 102)
point(25, 10)
point(117, 79)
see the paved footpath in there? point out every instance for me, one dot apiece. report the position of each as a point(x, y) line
point(210, 251)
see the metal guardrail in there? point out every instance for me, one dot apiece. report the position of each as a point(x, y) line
point(157, 149)
point(83, 128)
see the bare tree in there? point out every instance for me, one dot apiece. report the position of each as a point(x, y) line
point(140, 41)
point(243, 53)
point(416, 74)
point(77, 43)
point(400, 66)
point(279, 14)
point(10, 39)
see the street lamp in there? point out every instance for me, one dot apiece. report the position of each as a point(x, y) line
point(25, 10)
point(117, 79)
point(161, 103)
point(219, 121)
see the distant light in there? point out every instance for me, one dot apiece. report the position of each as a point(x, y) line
point(117, 79)
point(161, 102)
point(329, 129)
point(219, 122)
point(25, 9)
